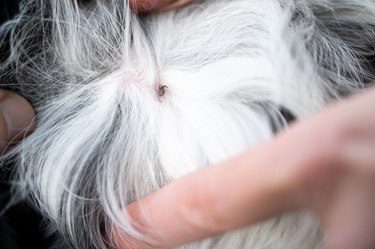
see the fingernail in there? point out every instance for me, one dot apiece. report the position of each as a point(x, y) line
point(18, 115)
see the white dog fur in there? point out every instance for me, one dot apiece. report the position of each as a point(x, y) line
point(126, 104)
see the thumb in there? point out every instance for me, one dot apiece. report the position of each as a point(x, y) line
point(16, 118)
point(145, 6)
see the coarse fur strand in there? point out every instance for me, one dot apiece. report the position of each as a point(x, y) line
point(128, 103)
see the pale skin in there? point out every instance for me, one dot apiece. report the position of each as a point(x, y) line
point(324, 164)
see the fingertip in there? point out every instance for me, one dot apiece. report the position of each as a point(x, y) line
point(143, 6)
point(147, 6)
point(16, 118)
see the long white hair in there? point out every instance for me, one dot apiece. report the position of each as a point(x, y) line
point(128, 103)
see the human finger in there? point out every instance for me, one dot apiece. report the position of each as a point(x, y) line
point(217, 199)
point(16, 118)
point(344, 201)
point(347, 215)
point(282, 175)
point(146, 6)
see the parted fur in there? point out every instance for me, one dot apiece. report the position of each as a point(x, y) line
point(128, 103)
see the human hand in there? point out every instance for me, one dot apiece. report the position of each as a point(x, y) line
point(16, 116)
point(145, 6)
point(342, 194)
point(325, 164)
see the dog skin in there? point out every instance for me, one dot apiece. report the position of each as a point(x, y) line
point(127, 104)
